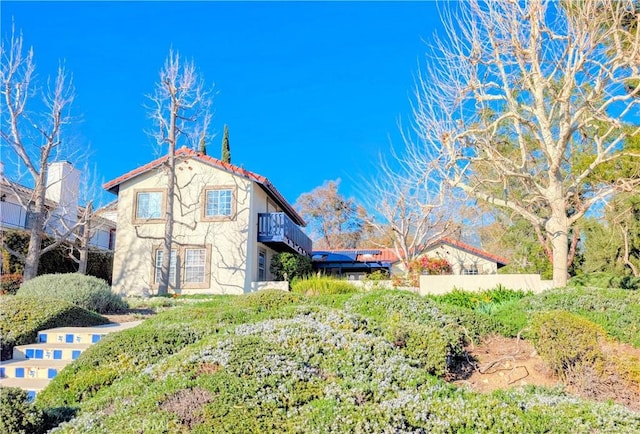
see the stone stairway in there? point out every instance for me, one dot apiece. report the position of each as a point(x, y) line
point(34, 365)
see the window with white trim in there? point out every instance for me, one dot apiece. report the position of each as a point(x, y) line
point(262, 266)
point(148, 205)
point(172, 266)
point(219, 203)
point(195, 261)
point(470, 270)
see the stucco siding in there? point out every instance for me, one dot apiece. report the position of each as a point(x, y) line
point(227, 240)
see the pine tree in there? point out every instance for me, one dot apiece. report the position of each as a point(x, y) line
point(226, 151)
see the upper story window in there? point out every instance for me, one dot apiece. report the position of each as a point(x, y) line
point(148, 205)
point(218, 203)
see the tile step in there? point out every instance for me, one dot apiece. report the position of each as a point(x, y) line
point(31, 368)
point(48, 351)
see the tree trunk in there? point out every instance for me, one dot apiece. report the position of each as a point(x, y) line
point(85, 240)
point(558, 230)
point(32, 261)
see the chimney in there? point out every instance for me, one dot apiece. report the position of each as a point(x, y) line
point(63, 181)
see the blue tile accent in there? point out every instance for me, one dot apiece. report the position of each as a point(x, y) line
point(52, 373)
point(68, 339)
point(19, 372)
point(31, 395)
point(57, 354)
point(75, 354)
point(95, 338)
point(42, 338)
point(39, 354)
point(1, 371)
point(29, 353)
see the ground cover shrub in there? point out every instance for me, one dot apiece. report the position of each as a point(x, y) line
point(17, 415)
point(603, 279)
point(21, 318)
point(88, 292)
point(269, 299)
point(565, 340)
point(617, 311)
point(10, 283)
point(322, 370)
point(322, 285)
point(479, 300)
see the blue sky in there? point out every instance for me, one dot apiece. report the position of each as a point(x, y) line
point(311, 91)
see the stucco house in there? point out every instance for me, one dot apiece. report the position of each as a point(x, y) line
point(229, 222)
point(354, 264)
point(61, 202)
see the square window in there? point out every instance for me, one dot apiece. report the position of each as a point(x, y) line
point(194, 265)
point(148, 204)
point(218, 203)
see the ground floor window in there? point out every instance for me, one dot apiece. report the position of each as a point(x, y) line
point(262, 266)
point(189, 266)
point(470, 270)
point(172, 266)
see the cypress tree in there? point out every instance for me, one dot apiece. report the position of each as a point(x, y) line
point(226, 151)
point(203, 144)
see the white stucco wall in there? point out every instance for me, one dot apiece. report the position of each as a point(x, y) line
point(447, 283)
point(459, 259)
point(231, 243)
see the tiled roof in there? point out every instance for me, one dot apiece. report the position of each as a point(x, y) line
point(184, 153)
point(470, 249)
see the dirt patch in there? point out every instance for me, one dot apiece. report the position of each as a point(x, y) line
point(187, 405)
point(502, 363)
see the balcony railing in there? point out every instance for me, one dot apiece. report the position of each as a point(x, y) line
point(276, 228)
point(13, 215)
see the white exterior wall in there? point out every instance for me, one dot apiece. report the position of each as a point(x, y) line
point(232, 254)
point(460, 259)
point(447, 283)
point(63, 182)
point(260, 203)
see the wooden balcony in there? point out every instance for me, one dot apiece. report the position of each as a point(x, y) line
point(276, 230)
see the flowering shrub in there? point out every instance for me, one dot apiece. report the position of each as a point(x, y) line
point(422, 265)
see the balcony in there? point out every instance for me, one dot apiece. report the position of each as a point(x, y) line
point(276, 230)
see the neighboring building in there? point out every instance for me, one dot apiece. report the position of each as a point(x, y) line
point(354, 264)
point(228, 224)
point(61, 202)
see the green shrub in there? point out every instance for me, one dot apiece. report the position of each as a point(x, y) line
point(603, 279)
point(480, 300)
point(565, 340)
point(433, 348)
point(615, 310)
point(99, 262)
point(88, 292)
point(17, 415)
point(289, 266)
point(322, 285)
point(22, 317)
point(269, 299)
point(10, 283)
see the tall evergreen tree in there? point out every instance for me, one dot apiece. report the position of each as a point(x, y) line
point(203, 144)
point(226, 151)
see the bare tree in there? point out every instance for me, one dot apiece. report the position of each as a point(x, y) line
point(180, 112)
point(410, 207)
point(34, 135)
point(523, 102)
